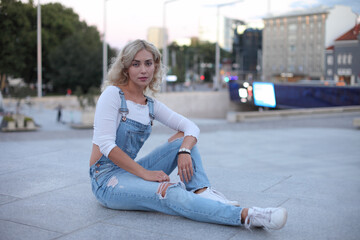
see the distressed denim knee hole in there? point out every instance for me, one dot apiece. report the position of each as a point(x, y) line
point(163, 188)
point(112, 182)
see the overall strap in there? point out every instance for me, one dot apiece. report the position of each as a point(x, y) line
point(151, 109)
point(123, 109)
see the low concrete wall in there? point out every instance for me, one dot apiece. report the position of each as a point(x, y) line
point(201, 104)
point(68, 102)
point(190, 104)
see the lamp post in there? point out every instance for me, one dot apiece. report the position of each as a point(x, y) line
point(105, 53)
point(165, 39)
point(217, 50)
point(39, 67)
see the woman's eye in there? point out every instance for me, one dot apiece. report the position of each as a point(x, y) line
point(135, 64)
point(148, 63)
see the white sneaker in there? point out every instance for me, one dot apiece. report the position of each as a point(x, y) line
point(268, 218)
point(210, 193)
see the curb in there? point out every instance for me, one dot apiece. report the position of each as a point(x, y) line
point(233, 117)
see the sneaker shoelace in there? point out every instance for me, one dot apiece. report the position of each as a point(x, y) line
point(262, 218)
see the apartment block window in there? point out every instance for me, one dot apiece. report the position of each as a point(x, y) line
point(329, 72)
point(344, 58)
point(292, 27)
point(311, 48)
point(292, 38)
point(339, 59)
point(318, 47)
point(330, 60)
point(349, 59)
point(292, 48)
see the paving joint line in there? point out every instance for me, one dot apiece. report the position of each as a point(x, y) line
point(137, 229)
point(281, 181)
point(28, 225)
point(283, 202)
point(41, 193)
point(83, 227)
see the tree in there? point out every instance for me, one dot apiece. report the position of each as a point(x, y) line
point(58, 24)
point(77, 61)
point(17, 34)
point(18, 40)
point(188, 59)
point(62, 32)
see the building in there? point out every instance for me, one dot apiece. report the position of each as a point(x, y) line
point(247, 48)
point(294, 43)
point(228, 33)
point(343, 58)
point(155, 35)
point(208, 30)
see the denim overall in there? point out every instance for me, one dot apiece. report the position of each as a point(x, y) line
point(118, 189)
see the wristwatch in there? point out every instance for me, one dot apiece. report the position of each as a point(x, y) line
point(184, 150)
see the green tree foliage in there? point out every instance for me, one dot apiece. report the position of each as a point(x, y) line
point(71, 50)
point(17, 34)
point(189, 59)
point(58, 24)
point(77, 61)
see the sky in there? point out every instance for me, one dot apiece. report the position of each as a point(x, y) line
point(128, 20)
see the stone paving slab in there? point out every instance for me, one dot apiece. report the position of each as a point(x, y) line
point(311, 169)
point(15, 231)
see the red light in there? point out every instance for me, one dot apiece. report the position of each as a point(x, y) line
point(202, 77)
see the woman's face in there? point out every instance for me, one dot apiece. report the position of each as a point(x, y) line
point(141, 70)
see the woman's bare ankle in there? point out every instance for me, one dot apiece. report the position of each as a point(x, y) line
point(244, 214)
point(200, 190)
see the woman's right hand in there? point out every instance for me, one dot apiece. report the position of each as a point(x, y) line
point(156, 176)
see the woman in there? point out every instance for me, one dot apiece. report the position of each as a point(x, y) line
point(123, 122)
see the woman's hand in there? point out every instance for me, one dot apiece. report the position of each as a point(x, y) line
point(185, 168)
point(156, 176)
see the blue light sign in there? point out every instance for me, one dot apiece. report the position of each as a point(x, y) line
point(264, 94)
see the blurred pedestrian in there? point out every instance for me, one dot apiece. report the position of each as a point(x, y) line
point(59, 112)
point(123, 121)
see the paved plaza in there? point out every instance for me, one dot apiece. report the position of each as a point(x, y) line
point(307, 164)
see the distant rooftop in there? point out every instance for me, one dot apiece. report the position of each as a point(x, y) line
point(352, 34)
point(301, 12)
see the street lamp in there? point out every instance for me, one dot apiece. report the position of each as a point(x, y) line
point(165, 55)
point(105, 57)
point(39, 67)
point(217, 50)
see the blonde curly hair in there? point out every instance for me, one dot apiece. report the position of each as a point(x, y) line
point(118, 75)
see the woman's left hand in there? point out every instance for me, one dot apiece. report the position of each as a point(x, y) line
point(185, 168)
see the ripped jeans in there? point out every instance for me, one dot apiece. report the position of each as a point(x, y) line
point(116, 188)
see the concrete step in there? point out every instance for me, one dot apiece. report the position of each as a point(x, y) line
point(242, 116)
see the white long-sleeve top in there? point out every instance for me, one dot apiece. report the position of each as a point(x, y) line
point(107, 118)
